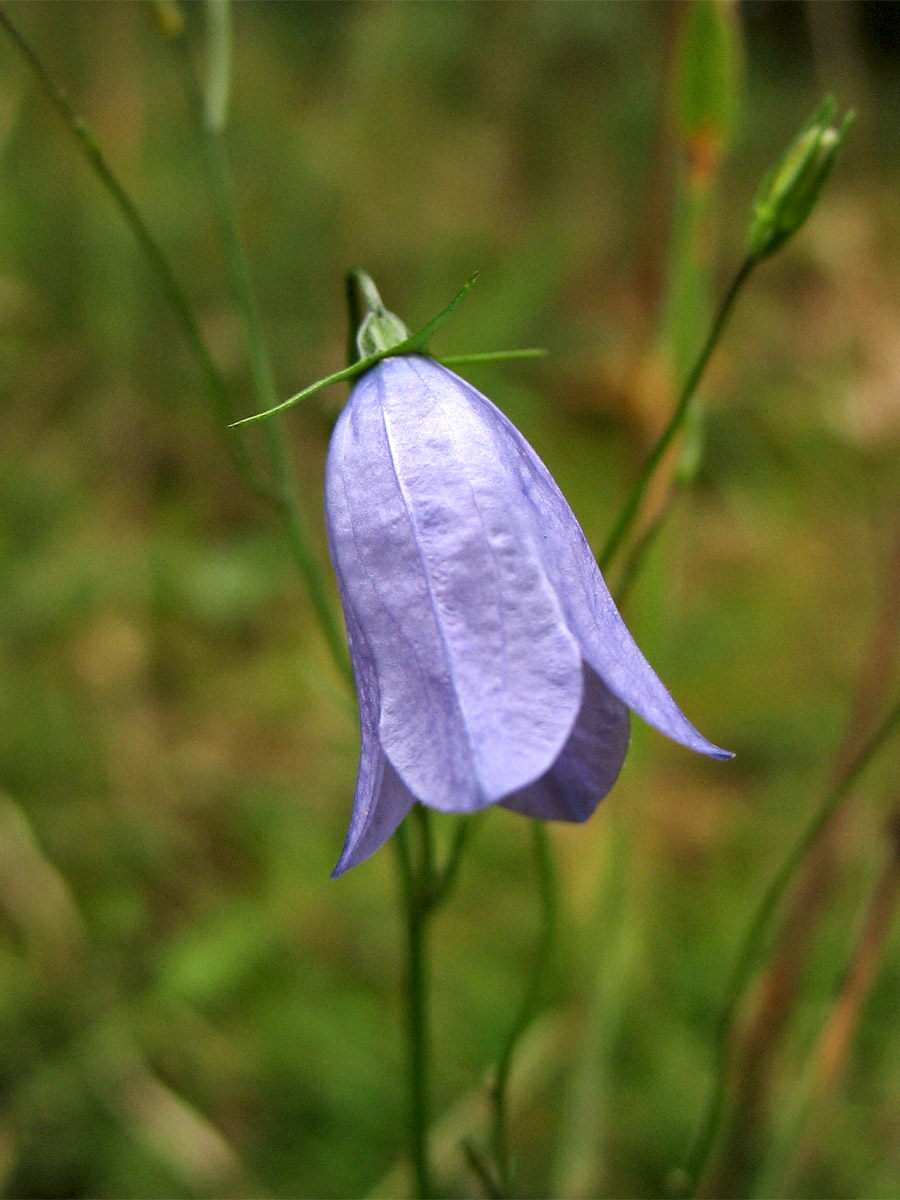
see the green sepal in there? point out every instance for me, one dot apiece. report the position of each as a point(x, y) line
point(488, 356)
point(377, 331)
point(379, 323)
point(416, 344)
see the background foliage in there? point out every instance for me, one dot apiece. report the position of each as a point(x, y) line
point(188, 1006)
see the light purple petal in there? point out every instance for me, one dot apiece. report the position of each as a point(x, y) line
point(590, 610)
point(589, 764)
point(381, 801)
point(479, 677)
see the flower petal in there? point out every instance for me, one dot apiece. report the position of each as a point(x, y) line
point(479, 677)
point(590, 611)
point(380, 801)
point(587, 767)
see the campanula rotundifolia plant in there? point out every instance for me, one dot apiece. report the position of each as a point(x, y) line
point(491, 663)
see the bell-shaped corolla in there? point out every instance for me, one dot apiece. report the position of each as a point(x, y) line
point(491, 664)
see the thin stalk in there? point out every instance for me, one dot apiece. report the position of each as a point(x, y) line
point(753, 1058)
point(743, 969)
point(481, 1170)
point(422, 817)
point(420, 1043)
point(415, 876)
point(217, 392)
point(446, 877)
point(632, 504)
point(548, 889)
point(641, 550)
point(287, 497)
point(791, 1147)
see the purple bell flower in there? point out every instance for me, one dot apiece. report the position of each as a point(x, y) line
point(492, 665)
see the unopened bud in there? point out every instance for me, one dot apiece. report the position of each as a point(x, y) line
point(373, 329)
point(789, 192)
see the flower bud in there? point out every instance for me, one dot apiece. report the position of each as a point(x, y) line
point(373, 329)
point(789, 192)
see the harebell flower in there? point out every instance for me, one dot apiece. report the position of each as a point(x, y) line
point(491, 663)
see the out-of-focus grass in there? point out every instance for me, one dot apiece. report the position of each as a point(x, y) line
point(191, 1006)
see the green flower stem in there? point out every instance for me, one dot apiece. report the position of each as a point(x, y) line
point(444, 880)
point(424, 887)
point(632, 504)
point(215, 385)
point(416, 876)
point(548, 890)
point(743, 969)
point(286, 495)
point(362, 299)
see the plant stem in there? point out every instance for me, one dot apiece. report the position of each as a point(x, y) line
point(446, 877)
point(286, 495)
point(632, 504)
point(415, 875)
point(215, 386)
point(754, 1058)
point(743, 969)
point(419, 1046)
point(791, 1146)
point(283, 494)
point(548, 889)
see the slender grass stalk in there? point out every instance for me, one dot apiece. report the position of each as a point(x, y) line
point(632, 505)
point(217, 92)
point(742, 972)
point(217, 392)
point(753, 1058)
point(791, 1147)
point(211, 118)
point(481, 1170)
point(282, 491)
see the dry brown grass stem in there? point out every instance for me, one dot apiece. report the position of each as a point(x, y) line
point(773, 1002)
point(835, 1041)
point(832, 1050)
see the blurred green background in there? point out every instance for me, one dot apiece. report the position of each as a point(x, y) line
point(188, 1005)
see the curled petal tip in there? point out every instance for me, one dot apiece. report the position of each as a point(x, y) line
point(382, 802)
point(718, 752)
